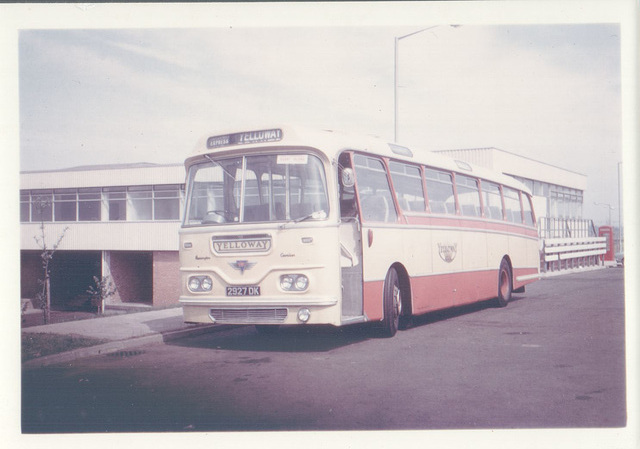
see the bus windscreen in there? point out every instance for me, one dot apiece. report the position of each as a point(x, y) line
point(259, 188)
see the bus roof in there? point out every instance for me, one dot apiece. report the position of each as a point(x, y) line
point(332, 143)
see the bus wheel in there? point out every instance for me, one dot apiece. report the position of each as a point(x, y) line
point(505, 284)
point(267, 329)
point(391, 304)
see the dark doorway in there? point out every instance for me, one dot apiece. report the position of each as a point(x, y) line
point(72, 274)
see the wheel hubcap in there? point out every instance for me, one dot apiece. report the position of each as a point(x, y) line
point(504, 284)
point(397, 301)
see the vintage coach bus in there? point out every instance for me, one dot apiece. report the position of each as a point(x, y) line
point(287, 226)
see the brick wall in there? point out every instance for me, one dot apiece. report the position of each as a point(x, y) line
point(166, 278)
point(132, 274)
point(30, 272)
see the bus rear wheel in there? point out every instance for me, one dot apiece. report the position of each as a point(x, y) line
point(505, 284)
point(391, 304)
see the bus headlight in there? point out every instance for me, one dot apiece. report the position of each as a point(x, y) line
point(200, 284)
point(294, 282)
point(286, 282)
point(302, 282)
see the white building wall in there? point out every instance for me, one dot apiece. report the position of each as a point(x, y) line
point(513, 164)
point(104, 177)
point(107, 236)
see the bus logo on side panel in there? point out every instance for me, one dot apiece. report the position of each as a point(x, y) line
point(448, 251)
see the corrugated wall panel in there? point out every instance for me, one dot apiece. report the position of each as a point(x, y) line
point(482, 157)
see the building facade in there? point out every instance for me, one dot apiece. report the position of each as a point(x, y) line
point(119, 222)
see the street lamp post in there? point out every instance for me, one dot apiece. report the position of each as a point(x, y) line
point(395, 76)
point(395, 79)
point(609, 206)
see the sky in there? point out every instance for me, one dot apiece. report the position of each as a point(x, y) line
point(551, 92)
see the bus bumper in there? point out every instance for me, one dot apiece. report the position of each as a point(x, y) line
point(309, 311)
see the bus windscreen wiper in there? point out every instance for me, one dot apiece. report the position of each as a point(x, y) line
point(317, 215)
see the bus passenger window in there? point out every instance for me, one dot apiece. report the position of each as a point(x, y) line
point(468, 195)
point(440, 192)
point(492, 200)
point(407, 182)
point(512, 205)
point(374, 191)
point(529, 218)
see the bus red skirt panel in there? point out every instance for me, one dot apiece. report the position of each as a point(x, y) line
point(435, 292)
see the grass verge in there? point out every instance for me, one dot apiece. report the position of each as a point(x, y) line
point(36, 345)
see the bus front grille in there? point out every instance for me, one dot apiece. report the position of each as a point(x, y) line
point(262, 315)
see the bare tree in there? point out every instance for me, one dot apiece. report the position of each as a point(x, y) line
point(44, 296)
point(100, 291)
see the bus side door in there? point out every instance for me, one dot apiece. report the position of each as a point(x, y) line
point(350, 243)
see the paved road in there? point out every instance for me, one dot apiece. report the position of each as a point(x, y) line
point(554, 358)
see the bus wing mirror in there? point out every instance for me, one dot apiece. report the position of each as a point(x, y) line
point(348, 179)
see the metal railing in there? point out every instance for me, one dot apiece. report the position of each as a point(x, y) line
point(555, 228)
point(569, 244)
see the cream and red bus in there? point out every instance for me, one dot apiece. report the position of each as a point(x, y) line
point(288, 226)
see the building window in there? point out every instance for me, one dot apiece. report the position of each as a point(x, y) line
point(41, 205)
point(166, 202)
point(116, 198)
point(140, 203)
point(64, 205)
point(134, 203)
point(89, 204)
point(25, 206)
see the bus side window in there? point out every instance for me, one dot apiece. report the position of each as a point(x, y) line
point(374, 191)
point(440, 191)
point(512, 205)
point(407, 182)
point(468, 195)
point(529, 217)
point(492, 200)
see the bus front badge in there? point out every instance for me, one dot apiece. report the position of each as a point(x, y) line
point(242, 265)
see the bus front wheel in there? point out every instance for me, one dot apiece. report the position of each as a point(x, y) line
point(505, 284)
point(391, 304)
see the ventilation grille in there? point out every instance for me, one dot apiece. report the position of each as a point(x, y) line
point(263, 315)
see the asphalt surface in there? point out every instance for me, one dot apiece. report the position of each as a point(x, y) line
point(553, 359)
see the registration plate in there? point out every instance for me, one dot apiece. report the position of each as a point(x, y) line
point(247, 290)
